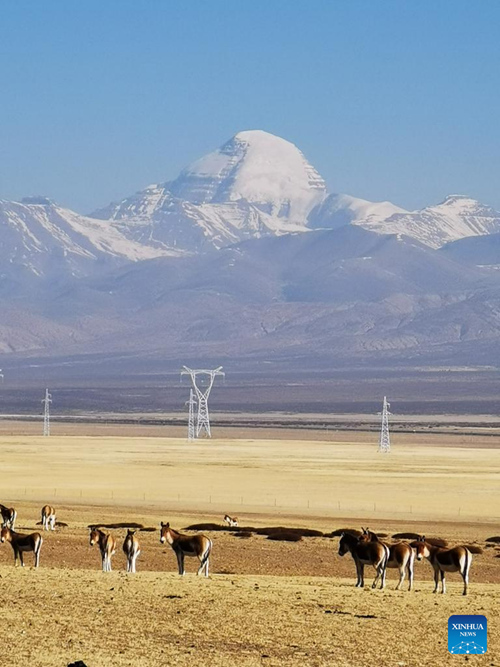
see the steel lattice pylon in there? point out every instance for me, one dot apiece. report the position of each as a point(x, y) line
point(384, 444)
point(46, 412)
point(191, 416)
point(202, 394)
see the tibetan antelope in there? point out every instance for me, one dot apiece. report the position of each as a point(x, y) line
point(9, 516)
point(131, 549)
point(107, 546)
point(365, 553)
point(185, 545)
point(456, 559)
point(401, 556)
point(21, 543)
point(231, 520)
point(48, 518)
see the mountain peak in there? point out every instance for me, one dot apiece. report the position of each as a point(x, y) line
point(257, 135)
point(258, 167)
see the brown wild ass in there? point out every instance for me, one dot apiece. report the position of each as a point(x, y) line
point(131, 549)
point(48, 518)
point(456, 559)
point(185, 545)
point(107, 546)
point(231, 520)
point(365, 553)
point(401, 556)
point(9, 516)
point(21, 543)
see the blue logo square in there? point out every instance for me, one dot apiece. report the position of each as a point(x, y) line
point(467, 634)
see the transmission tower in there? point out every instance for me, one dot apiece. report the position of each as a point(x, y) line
point(384, 444)
point(206, 377)
point(191, 418)
point(46, 412)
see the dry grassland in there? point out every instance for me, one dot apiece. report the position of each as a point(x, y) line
point(265, 603)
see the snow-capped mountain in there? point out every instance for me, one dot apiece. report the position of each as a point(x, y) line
point(41, 238)
point(455, 218)
point(264, 170)
point(254, 185)
point(291, 270)
point(257, 185)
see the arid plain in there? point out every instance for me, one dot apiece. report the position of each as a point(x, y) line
point(266, 602)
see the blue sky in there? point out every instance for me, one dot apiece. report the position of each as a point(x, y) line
point(389, 100)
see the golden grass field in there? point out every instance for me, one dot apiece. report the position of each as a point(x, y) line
point(265, 603)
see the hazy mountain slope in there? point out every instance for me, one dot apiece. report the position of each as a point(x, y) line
point(479, 250)
point(350, 290)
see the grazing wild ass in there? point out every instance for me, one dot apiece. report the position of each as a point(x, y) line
point(401, 556)
point(365, 553)
point(21, 543)
point(185, 545)
point(231, 520)
point(48, 518)
point(107, 546)
point(9, 516)
point(456, 559)
point(131, 549)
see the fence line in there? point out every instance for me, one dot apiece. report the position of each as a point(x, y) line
point(341, 507)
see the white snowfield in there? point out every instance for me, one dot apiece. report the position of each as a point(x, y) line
point(255, 185)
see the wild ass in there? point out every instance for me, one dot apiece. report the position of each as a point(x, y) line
point(21, 543)
point(365, 553)
point(107, 546)
point(48, 518)
point(185, 545)
point(131, 549)
point(231, 520)
point(401, 556)
point(456, 559)
point(9, 516)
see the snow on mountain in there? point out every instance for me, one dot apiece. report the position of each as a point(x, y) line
point(156, 217)
point(256, 166)
point(255, 184)
point(457, 217)
point(258, 184)
point(39, 237)
point(339, 210)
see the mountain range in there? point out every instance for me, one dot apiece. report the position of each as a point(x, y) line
point(246, 253)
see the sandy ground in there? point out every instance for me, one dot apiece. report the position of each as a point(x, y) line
point(265, 603)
